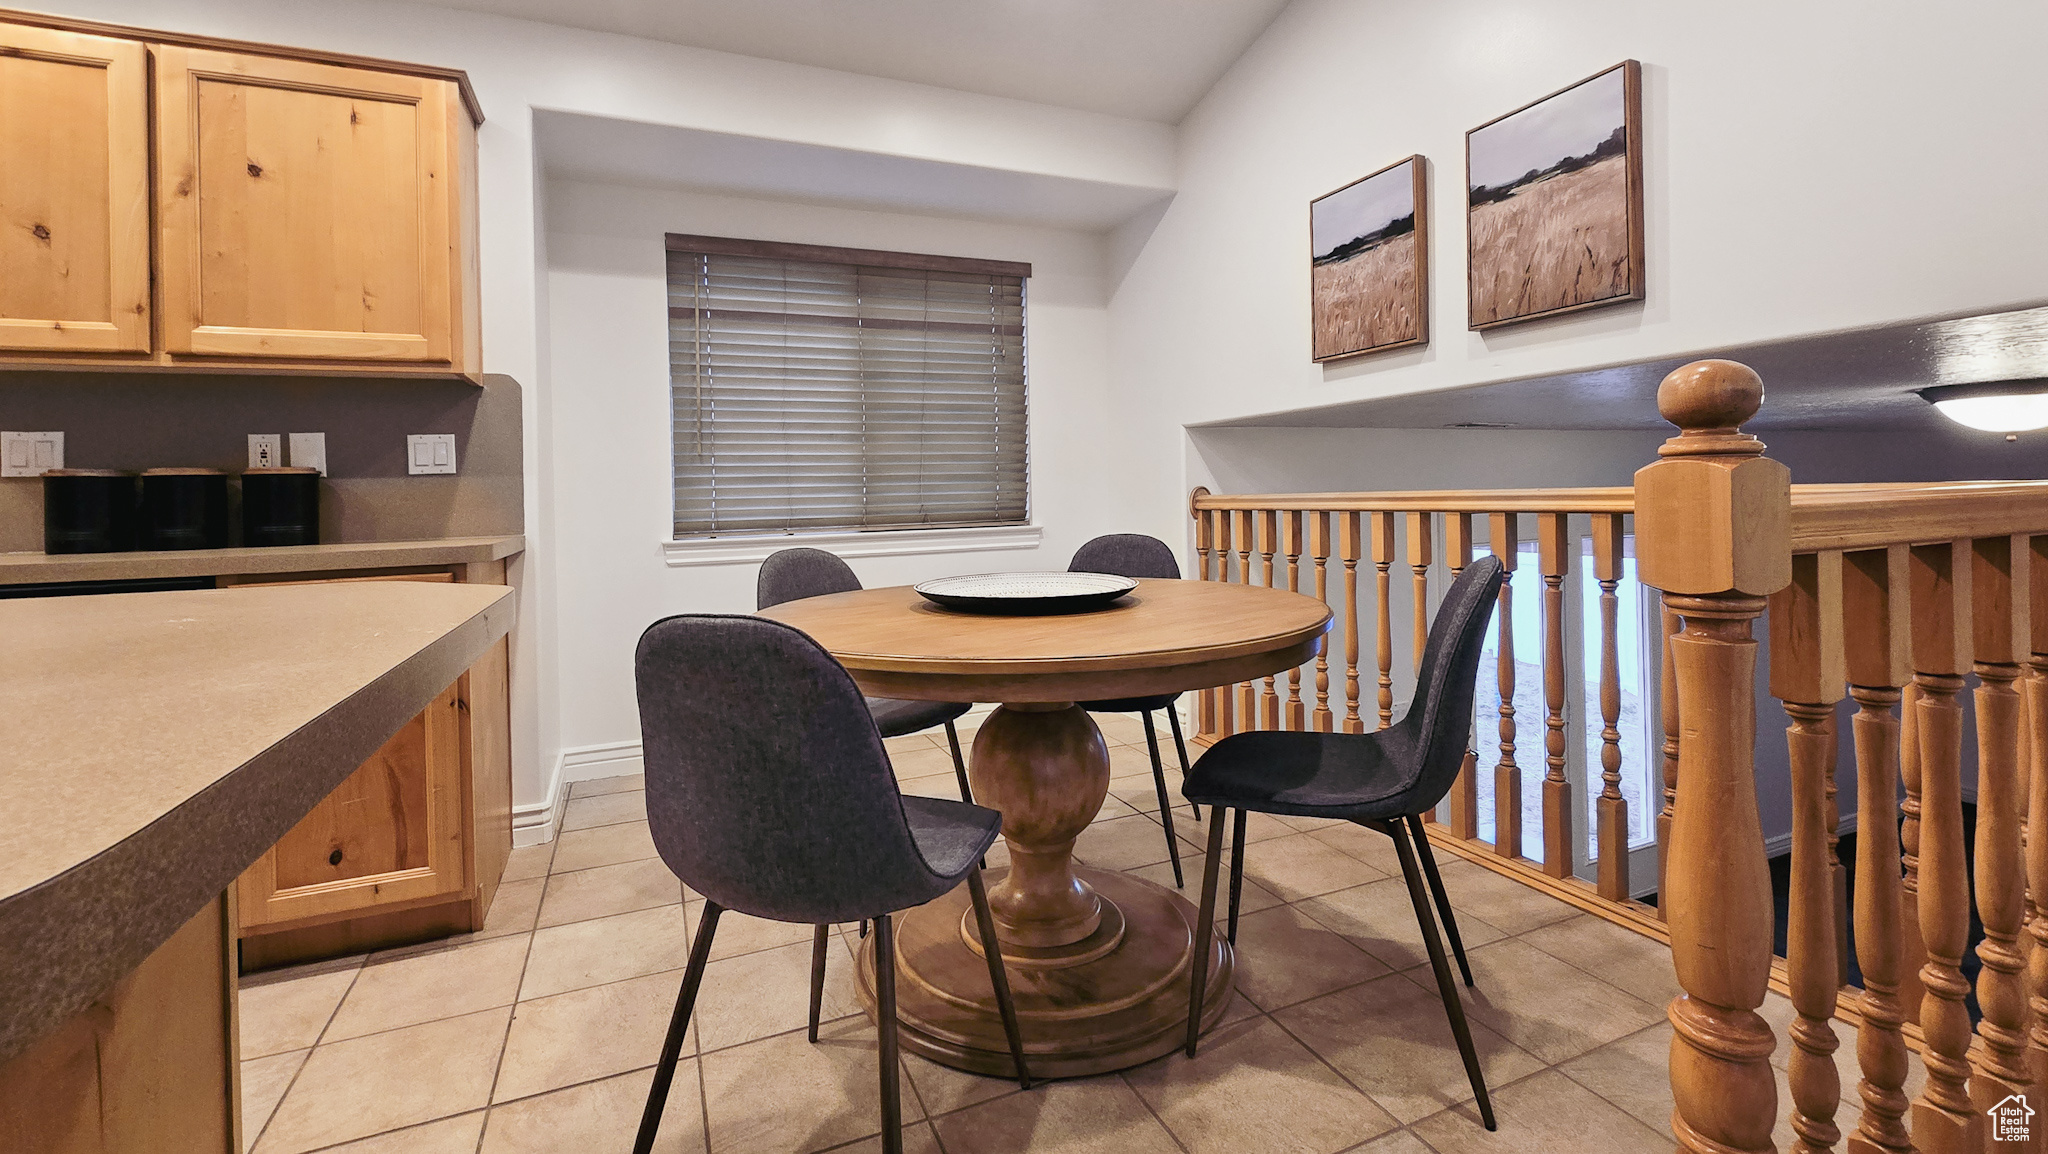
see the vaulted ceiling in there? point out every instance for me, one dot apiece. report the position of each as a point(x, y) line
point(1144, 59)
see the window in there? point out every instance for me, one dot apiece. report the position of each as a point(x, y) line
point(824, 389)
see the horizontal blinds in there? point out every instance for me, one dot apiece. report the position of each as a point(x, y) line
point(815, 396)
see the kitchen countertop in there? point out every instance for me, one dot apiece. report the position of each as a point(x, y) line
point(154, 745)
point(34, 568)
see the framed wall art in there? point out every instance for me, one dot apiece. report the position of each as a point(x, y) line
point(1554, 202)
point(1369, 264)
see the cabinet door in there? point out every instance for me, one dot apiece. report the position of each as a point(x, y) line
point(304, 209)
point(74, 192)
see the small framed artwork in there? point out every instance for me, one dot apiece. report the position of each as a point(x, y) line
point(1554, 202)
point(1369, 264)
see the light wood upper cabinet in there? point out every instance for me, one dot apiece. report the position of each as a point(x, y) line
point(182, 203)
point(74, 192)
point(305, 210)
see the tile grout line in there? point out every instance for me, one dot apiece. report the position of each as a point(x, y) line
point(504, 1043)
point(324, 1026)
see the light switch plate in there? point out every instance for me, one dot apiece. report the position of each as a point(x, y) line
point(266, 450)
point(430, 453)
point(29, 454)
point(309, 451)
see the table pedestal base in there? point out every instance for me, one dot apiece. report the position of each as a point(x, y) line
point(1112, 1000)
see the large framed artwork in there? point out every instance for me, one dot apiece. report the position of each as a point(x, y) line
point(1554, 202)
point(1369, 264)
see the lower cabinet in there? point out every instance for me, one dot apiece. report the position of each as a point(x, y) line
point(408, 847)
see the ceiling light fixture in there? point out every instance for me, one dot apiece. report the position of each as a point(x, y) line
point(1993, 406)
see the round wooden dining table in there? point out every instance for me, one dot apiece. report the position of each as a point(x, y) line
point(1099, 960)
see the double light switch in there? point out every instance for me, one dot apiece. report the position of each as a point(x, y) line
point(430, 453)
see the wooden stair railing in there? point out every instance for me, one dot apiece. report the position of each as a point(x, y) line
point(1885, 602)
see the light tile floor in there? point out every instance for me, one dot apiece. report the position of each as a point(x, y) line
point(538, 1035)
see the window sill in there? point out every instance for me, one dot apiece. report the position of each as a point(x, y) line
point(880, 543)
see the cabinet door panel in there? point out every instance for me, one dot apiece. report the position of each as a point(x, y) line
point(74, 192)
point(391, 833)
point(304, 209)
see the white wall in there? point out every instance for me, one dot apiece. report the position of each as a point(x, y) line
point(1809, 167)
point(517, 67)
point(607, 289)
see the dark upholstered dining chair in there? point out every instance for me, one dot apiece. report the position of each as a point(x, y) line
point(1384, 781)
point(794, 574)
point(1136, 555)
point(769, 792)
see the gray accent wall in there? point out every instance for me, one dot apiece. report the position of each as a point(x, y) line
point(133, 421)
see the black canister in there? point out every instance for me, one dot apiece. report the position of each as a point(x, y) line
point(281, 507)
point(184, 509)
point(88, 511)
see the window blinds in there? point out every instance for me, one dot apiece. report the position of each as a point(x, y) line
point(816, 395)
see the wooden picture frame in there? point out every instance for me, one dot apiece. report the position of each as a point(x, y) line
point(1369, 264)
point(1518, 265)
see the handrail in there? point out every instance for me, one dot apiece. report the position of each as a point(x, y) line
point(1873, 516)
point(1612, 499)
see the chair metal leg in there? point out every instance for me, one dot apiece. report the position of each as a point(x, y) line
point(960, 775)
point(678, 1025)
point(1236, 873)
point(1173, 718)
point(1165, 806)
point(1443, 900)
point(992, 949)
point(959, 764)
point(1454, 1005)
point(1205, 927)
point(818, 940)
point(885, 1029)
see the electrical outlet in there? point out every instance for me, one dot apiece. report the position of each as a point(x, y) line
point(266, 450)
point(309, 451)
point(29, 454)
point(430, 453)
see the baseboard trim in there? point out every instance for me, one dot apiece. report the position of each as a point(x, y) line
point(589, 762)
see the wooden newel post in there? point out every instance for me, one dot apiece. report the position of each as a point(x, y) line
point(1713, 533)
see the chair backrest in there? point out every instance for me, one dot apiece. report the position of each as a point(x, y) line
point(768, 790)
point(1435, 731)
point(1126, 555)
point(794, 574)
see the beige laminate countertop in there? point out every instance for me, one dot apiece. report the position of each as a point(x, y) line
point(33, 568)
point(153, 745)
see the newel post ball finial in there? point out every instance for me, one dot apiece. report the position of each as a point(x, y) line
point(1707, 397)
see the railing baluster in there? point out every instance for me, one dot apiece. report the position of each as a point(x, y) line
point(1226, 707)
point(1348, 547)
point(1877, 651)
point(1291, 527)
point(2000, 639)
point(1913, 954)
point(1382, 566)
point(1807, 676)
point(1465, 790)
point(1943, 1117)
point(1319, 548)
point(1667, 696)
point(1248, 691)
point(1419, 559)
point(1611, 828)
point(1552, 539)
point(1205, 555)
point(1507, 777)
point(2037, 806)
point(1269, 539)
point(1713, 532)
